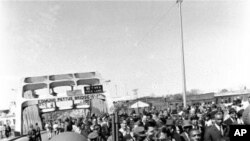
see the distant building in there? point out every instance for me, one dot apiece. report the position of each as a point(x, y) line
point(206, 98)
point(228, 97)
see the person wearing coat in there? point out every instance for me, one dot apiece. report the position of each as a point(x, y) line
point(216, 131)
point(232, 117)
point(187, 126)
point(32, 133)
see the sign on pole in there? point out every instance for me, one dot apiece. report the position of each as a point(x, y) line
point(93, 89)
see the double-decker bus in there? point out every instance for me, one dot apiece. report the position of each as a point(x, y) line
point(41, 95)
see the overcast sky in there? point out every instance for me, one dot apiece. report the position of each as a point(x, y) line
point(135, 44)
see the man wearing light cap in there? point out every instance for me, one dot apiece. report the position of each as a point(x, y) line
point(187, 126)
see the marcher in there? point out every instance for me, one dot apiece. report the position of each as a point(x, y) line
point(216, 131)
point(38, 133)
point(203, 123)
point(171, 129)
point(195, 135)
point(48, 128)
point(187, 126)
point(32, 133)
point(55, 128)
point(240, 119)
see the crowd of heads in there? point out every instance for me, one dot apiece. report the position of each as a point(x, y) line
point(194, 123)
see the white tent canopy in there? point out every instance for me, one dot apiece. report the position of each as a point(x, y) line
point(139, 104)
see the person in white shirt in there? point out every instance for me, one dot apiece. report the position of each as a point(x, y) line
point(208, 121)
point(124, 128)
point(94, 122)
point(78, 128)
point(55, 128)
point(48, 128)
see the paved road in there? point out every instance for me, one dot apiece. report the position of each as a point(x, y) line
point(44, 138)
point(25, 138)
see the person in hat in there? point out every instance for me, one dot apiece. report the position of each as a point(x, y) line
point(171, 128)
point(187, 126)
point(139, 133)
point(232, 117)
point(178, 126)
point(194, 121)
point(195, 124)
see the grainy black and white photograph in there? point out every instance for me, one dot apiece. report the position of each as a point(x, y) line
point(124, 70)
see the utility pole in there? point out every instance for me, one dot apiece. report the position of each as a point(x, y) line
point(183, 57)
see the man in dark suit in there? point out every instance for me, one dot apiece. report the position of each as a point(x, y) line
point(232, 117)
point(195, 125)
point(172, 130)
point(230, 121)
point(194, 121)
point(187, 126)
point(216, 131)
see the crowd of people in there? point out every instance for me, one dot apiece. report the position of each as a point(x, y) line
point(34, 133)
point(6, 131)
point(206, 122)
